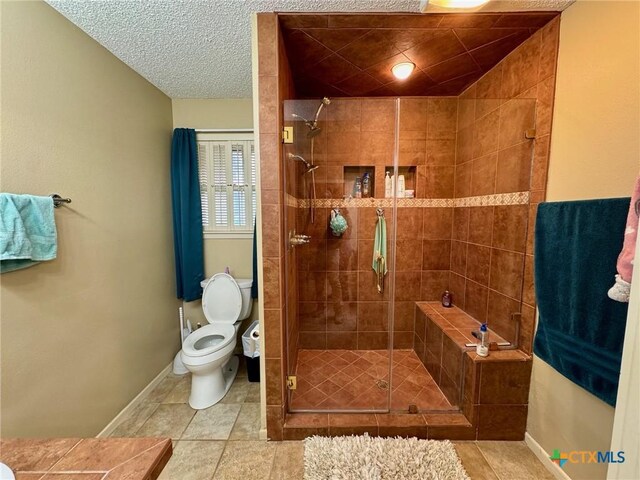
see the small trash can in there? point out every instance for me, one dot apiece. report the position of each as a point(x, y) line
point(251, 349)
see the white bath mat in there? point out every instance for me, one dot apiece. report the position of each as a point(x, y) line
point(373, 458)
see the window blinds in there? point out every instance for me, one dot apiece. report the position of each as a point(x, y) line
point(227, 185)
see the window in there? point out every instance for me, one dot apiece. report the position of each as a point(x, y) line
point(227, 172)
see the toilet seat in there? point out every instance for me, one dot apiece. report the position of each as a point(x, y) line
point(222, 299)
point(209, 339)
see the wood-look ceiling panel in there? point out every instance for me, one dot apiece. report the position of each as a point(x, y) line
point(352, 54)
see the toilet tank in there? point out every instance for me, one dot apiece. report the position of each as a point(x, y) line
point(247, 301)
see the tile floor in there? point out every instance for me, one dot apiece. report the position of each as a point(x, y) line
point(358, 379)
point(221, 442)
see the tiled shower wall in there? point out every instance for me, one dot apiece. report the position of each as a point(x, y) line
point(274, 86)
point(339, 306)
point(492, 246)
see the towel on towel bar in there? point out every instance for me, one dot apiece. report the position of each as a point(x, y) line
point(580, 329)
point(27, 231)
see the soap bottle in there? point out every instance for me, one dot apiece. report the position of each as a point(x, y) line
point(447, 299)
point(366, 185)
point(387, 185)
point(357, 188)
point(482, 348)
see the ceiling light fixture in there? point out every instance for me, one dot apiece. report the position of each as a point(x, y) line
point(403, 70)
point(457, 3)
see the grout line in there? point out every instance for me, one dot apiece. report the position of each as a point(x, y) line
point(489, 463)
point(224, 449)
point(139, 454)
point(65, 454)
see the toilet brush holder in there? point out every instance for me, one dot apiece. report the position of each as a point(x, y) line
point(178, 366)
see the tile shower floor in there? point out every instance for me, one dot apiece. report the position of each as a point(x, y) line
point(359, 379)
point(221, 442)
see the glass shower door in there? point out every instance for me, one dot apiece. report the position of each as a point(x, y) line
point(339, 323)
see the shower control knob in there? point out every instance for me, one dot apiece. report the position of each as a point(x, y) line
point(295, 239)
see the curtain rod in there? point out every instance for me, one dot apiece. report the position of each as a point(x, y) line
point(224, 130)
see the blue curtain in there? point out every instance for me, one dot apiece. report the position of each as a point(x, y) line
point(254, 285)
point(187, 215)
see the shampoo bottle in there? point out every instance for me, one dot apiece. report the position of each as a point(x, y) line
point(366, 185)
point(482, 347)
point(400, 193)
point(357, 188)
point(387, 185)
point(447, 299)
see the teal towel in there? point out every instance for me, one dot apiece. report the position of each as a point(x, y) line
point(380, 247)
point(580, 329)
point(27, 231)
point(379, 263)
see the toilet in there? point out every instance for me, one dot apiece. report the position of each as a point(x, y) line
point(208, 352)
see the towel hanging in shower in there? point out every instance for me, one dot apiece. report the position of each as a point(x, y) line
point(379, 263)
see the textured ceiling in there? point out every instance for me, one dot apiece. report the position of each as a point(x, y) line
point(352, 55)
point(192, 48)
point(202, 48)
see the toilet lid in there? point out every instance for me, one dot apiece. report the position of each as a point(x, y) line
point(221, 299)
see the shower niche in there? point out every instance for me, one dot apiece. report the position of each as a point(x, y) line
point(352, 173)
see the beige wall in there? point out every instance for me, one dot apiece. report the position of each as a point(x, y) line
point(84, 334)
point(223, 113)
point(236, 253)
point(595, 153)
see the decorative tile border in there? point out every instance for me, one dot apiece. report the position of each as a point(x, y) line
point(516, 198)
point(376, 202)
point(291, 201)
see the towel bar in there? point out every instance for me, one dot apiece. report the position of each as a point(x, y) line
point(58, 200)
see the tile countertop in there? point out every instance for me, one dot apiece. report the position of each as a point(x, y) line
point(86, 459)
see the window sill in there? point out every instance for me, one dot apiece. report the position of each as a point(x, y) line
point(225, 235)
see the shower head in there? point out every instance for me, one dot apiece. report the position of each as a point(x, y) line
point(309, 167)
point(323, 102)
point(312, 125)
point(313, 131)
point(313, 128)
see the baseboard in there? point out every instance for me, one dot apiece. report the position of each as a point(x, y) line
point(106, 431)
point(543, 456)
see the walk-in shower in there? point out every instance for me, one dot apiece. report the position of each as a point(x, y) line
point(446, 156)
point(353, 345)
